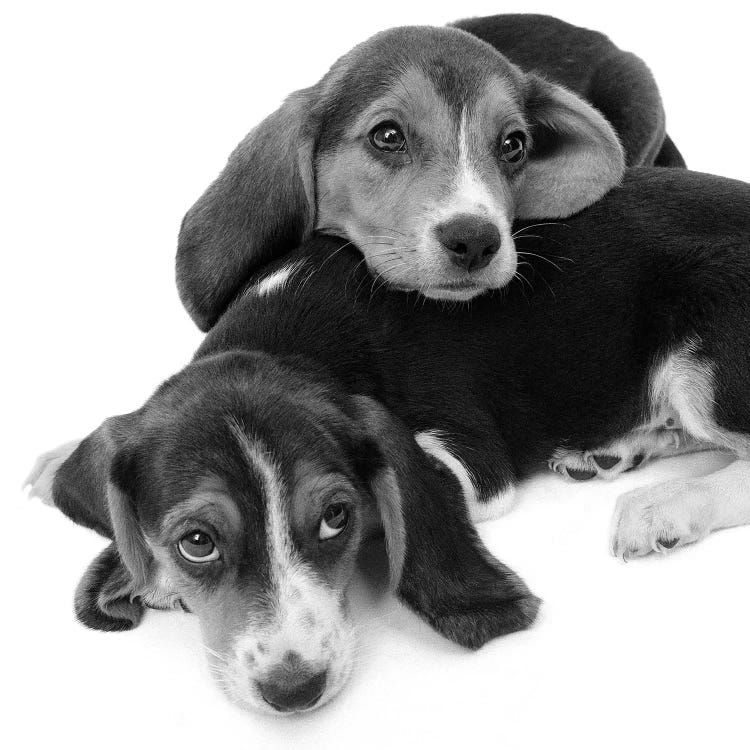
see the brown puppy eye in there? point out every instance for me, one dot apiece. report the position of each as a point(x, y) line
point(334, 521)
point(388, 137)
point(513, 148)
point(198, 547)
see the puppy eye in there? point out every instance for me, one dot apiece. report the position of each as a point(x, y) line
point(334, 521)
point(388, 137)
point(513, 148)
point(198, 547)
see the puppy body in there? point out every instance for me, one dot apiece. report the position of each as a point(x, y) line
point(629, 315)
point(629, 319)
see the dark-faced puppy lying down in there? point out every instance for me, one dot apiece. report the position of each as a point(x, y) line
point(422, 146)
point(243, 488)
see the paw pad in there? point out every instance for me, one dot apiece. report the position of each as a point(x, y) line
point(668, 543)
point(581, 475)
point(604, 461)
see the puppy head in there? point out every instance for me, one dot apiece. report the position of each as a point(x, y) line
point(242, 493)
point(421, 146)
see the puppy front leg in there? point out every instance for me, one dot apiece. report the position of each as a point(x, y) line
point(672, 514)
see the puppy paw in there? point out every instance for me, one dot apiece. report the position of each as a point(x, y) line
point(42, 474)
point(606, 463)
point(621, 455)
point(660, 518)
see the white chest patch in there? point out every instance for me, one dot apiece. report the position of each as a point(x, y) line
point(275, 281)
point(435, 443)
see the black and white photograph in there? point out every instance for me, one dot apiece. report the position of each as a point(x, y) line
point(376, 376)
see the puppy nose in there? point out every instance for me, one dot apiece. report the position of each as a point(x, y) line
point(293, 693)
point(471, 242)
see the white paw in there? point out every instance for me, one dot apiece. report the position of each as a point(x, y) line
point(660, 517)
point(43, 473)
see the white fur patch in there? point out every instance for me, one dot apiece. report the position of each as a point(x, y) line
point(305, 615)
point(685, 384)
point(435, 443)
point(275, 281)
point(671, 514)
point(42, 474)
point(472, 196)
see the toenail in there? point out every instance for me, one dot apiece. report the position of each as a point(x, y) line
point(605, 461)
point(637, 460)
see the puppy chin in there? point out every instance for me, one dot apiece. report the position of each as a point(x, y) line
point(454, 294)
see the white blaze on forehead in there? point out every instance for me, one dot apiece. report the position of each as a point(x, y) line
point(298, 595)
point(471, 195)
point(280, 548)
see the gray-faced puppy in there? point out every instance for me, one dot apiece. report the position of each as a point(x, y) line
point(242, 492)
point(421, 146)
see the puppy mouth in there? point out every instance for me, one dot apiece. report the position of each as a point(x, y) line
point(463, 284)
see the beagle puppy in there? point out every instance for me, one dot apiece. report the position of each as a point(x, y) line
point(422, 146)
point(244, 487)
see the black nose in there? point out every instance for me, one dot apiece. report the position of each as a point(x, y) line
point(295, 692)
point(470, 241)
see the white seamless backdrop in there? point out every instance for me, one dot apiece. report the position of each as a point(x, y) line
point(115, 118)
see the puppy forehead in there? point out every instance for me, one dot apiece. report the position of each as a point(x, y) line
point(314, 482)
point(211, 501)
point(438, 109)
point(453, 67)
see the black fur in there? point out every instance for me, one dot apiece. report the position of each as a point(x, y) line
point(616, 82)
point(560, 360)
point(103, 599)
point(263, 204)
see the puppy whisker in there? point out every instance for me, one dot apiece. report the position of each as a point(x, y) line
point(541, 257)
point(542, 224)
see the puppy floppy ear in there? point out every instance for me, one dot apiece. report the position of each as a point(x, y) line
point(439, 566)
point(92, 487)
point(260, 206)
point(104, 598)
point(575, 158)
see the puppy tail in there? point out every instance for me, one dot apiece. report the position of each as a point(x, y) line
point(42, 475)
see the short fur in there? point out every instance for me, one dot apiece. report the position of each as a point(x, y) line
point(633, 308)
point(311, 164)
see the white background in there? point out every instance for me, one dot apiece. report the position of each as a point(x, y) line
point(114, 119)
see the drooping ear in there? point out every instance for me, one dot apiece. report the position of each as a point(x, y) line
point(439, 566)
point(91, 483)
point(105, 598)
point(575, 158)
point(260, 206)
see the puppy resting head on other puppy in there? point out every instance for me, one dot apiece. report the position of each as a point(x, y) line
point(421, 146)
point(242, 491)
